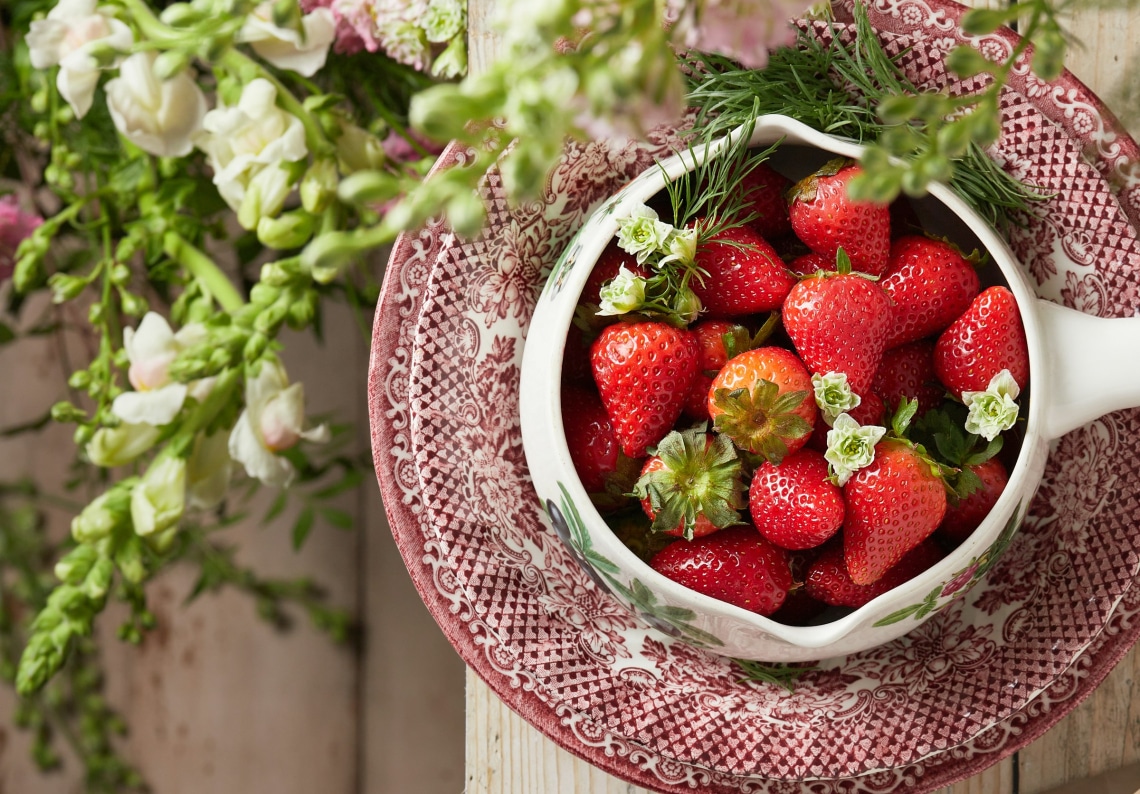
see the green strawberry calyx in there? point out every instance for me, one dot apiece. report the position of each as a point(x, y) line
point(850, 447)
point(702, 475)
point(762, 420)
point(806, 188)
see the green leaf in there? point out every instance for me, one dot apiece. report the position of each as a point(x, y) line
point(981, 21)
point(276, 508)
point(901, 614)
point(303, 527)
point(6, 334)
point(338, 518)
point(965, 61)
point(351, 479)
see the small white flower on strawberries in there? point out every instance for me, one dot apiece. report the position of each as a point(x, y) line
point(851, 446)
point(992, 410)
point(833, 395)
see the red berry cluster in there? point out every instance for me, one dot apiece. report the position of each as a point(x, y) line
point(755, 514)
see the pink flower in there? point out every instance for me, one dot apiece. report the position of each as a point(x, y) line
point(398, 148)
point(15, 225)
point(744, 30)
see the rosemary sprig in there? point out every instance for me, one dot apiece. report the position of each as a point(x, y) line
point(782, 675)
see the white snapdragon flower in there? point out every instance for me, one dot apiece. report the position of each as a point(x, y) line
point(159, 499)
point(118, 446)
point(208, 471)
point(303, 52)
point(272, 422)
point(159, 116)
point(833, 395)
point(642, 233)
point(151, 348)
point(66, 39)
point(851, 447)
point(247, 146)
point(992, 410)
point(624, 293)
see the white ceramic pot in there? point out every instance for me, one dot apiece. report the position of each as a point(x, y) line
point(1079, 371)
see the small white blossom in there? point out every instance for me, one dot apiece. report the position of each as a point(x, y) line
point(643, 234)
point(159, 116)
point(443, 20)
point(151, 348)
point(682, 247)
point(66, 39)
point(158, 501)
point(621, 294)
point(303, 52)
point(833, 395)
point(405, 42)
point(992, 410)
point(272, 422)
point(851, 447)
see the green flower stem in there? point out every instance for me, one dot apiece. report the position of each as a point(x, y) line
point(150, 25)
point(212, 280)
point(220, 396)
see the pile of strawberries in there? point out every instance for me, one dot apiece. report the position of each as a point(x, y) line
point(704, 442)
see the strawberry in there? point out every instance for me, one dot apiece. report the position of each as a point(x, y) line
point(965, 516)
point(609, 263)
point(692, 484)
point(744, 274)
point(930, 284)
point(838, 323)
point(825, 218)
point(986, 339)
point(811, 263)
point(828, 581)
point(643, 371)
point(869, 411)
point(893, 504)
point(761, 399)
point(735, 565)
point(908, 371)
point(720, 340)
point(795, 505)
point(606, 473)
point(764, 193)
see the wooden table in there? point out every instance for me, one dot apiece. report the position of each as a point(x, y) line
point(505, 755)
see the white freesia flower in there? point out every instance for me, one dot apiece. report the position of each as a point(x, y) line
point(643, 234)
point(248, 146)
point(992, 410)
point(66, 39)
point(159, 116)
point(302, 52)
point(272, 422)
point(621, 294)
point(850, 446)
point(833, 395)
point(208, 471)
point(118, 446)
point(151, 348)
point(158, 501)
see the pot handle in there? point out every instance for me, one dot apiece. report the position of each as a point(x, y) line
point(1092, 369)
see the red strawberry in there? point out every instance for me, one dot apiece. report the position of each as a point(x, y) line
point(720, 340)
point(869, 411)
point(838, 323)
point(986, 339)
point(828, 581)
point(795, 505)
point(930, 283)
point(745, 275)
point(607, 266)
point(735, 565)
point(811, 263)
point(762, 400)
point(764, 192)
point(825, 218)
point(965, 516)
point(692, 485)
point(908, 371)
point(606, 474)
point(893, 504)
point(643, 371)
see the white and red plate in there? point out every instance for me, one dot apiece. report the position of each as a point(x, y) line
point(981, 679)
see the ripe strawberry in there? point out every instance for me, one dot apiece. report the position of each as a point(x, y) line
point(761, 399)
point(986, 339)
point(795, 505)
point(825, 218)
point(869, 411)
point(908, 371)
point(606, 474)
point(893, 504)
point(720, 340)
point(838, 323)
point(692, 485)
point(764, 193)
point(930, 284)
point(965, 516)
point(811, 263)
point(735, 565)
point(609, 263)
point(828, 581)
point(643, 372)
point(745, 275)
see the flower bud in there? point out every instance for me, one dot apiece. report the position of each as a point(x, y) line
point(129, 559)
point(98, 519)
point(158, 501)
point(302, 311)
point(291, 230)
point(133, 305)
point(99, 578)
point(318, 186)
point(368, 187)
point(64, 412)
point(73, 567)
point(118, 446)
point(358, 150)
point(65, 287)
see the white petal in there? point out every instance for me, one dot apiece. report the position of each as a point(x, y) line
point(318, 435)
point(157, 407)
point(44, 39)
point(258, 462)
point(77, 87)
point(288, 52)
